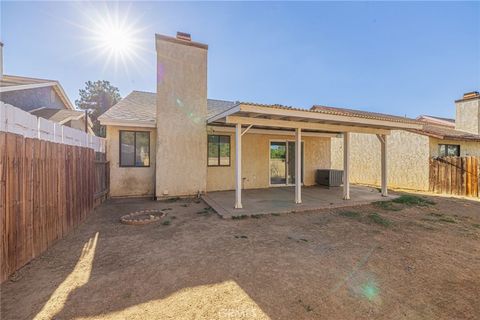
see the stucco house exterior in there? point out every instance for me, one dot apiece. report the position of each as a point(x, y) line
point(42, 98)
point(177, 142)
point(410, 150)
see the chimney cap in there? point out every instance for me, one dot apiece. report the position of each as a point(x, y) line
point(184, 36)
point(469, 96)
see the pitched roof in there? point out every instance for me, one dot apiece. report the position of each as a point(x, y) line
point(58, 115)
point(361, 114)
point(140, 107)
point(9, 83)
point(446, 133)
point(437, 120)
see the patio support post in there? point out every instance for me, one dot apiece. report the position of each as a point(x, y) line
point(298, 165)
point(238, 166)
point(346, 165)
point(383, 143)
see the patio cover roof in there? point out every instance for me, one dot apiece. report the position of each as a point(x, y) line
point(317, 119)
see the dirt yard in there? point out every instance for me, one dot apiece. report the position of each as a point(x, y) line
point(385, 261)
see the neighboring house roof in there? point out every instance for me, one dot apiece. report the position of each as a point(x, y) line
point(61, 116)
point(10, 83)
point(360, 114)
point(446, 133)
point(437, 120)
point(140, 108)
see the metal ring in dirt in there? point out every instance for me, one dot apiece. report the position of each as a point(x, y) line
point(143, 217)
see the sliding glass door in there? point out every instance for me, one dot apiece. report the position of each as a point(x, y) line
point(282, 162)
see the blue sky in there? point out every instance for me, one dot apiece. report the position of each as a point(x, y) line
point(394, 57)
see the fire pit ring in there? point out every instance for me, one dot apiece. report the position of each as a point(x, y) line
point(143, 217)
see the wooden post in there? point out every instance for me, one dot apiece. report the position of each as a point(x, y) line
point(238, 166)
point(298, 165)
point(346, 165)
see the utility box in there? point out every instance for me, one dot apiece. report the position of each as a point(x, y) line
point(329, 177)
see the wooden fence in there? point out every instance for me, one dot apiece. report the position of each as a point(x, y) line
point(455, 176)
point(46, 190)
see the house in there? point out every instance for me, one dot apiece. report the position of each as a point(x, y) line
point(177, 142)
point(411, 149)
point(42, 98)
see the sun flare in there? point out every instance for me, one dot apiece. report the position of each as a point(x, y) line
point(114, 36)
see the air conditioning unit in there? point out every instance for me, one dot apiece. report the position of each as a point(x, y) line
point(329, 177)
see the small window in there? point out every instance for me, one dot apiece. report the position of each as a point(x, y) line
point(449, 150)
point(134, 149)
point(218, 151)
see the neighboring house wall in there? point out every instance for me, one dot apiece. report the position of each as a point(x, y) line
point(181, 118)
point(125, 181)
point(256, 161)
point(408, 159)
point(78, 124)
point(31, 99)
point(466, 148)
point(468, 115)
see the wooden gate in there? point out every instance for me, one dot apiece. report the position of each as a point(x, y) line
point(455, 176)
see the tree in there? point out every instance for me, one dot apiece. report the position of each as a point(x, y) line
point(97, 97)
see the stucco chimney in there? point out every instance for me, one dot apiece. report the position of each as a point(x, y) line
point(1, 60)
point(468, 113)
point(181, 153)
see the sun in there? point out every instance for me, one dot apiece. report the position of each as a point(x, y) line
point(114, 36)
point(115, 39)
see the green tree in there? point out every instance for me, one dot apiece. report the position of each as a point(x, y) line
point(98, 97)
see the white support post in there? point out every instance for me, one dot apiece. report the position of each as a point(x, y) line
point(383, 142)
point(298, 165)
point(238, 166)
point(346, 165)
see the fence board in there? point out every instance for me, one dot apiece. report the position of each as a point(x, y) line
point(46, 190)
point(455, 175)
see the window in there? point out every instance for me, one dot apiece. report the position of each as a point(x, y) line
point(448, 150)
point(134, 149)
point(218, 151)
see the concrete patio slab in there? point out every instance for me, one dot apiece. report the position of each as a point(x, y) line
point(281, 200)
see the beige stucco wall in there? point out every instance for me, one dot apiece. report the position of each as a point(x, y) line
point(466, 148)
point(125, 182)
point(181, 119)
point(255, 161)
point(408, 158)
point(468, 116)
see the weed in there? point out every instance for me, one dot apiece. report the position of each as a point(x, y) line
point(447, 219)
point(388, 205)
point(412, 200)
point(255, 216)
point(184, 205)
point(307, 307)
point(173, 199)
point(476, 225)
point(436, 214)
point(166, 209)
point(275, 214)
point(304, 240)
point(173, 217)
point(350, 214)
point(243, 216)
point(378, 219)
point(241, 237)
point(166, 222)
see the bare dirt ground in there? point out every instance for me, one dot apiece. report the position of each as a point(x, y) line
point(404, 262)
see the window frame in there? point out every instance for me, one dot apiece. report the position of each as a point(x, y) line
point(134, 149)
point(446, 149)
point(218, 157)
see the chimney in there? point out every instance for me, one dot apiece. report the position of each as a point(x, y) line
point(468, 113)
point(1, 60)
point(181, 135)
point(184, 36)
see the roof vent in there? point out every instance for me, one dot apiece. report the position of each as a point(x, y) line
point(471, 95)
point(184, 36)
